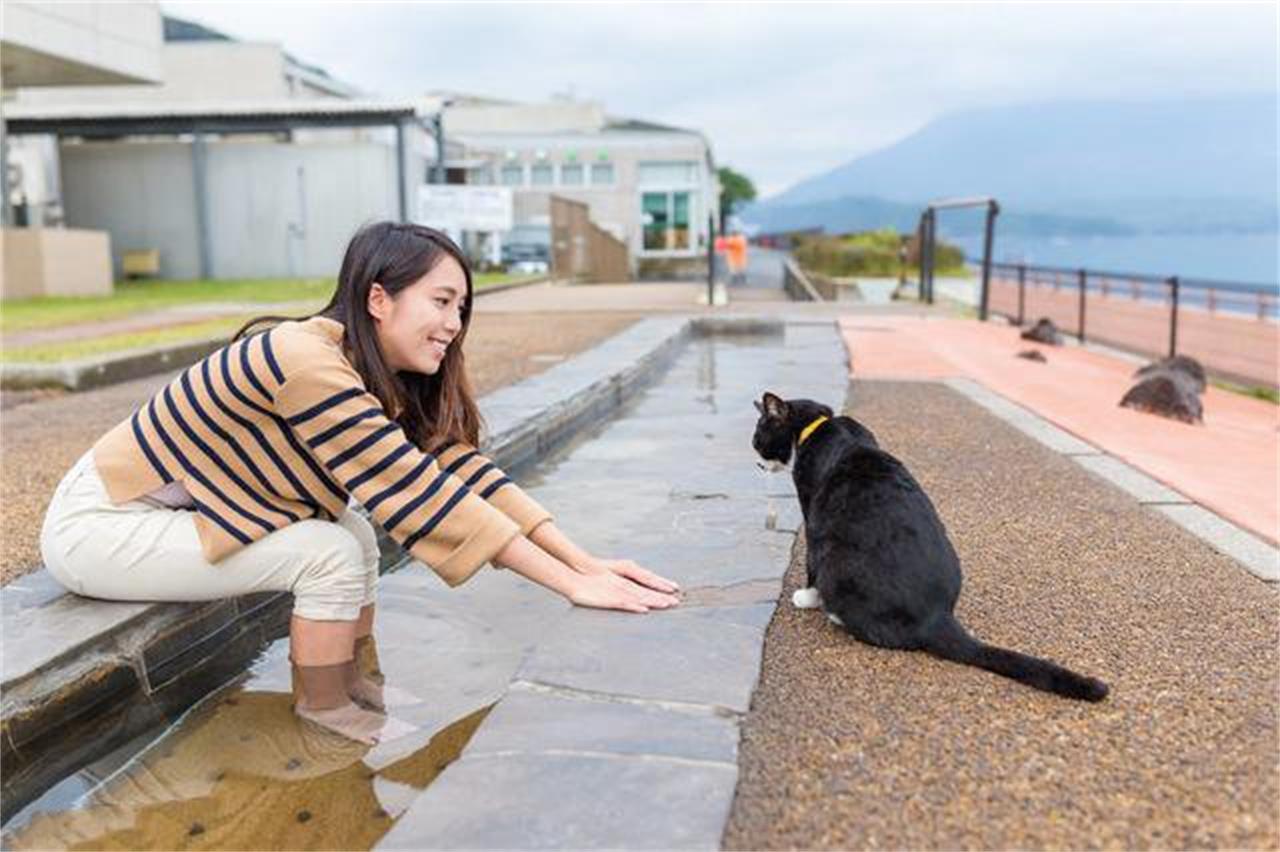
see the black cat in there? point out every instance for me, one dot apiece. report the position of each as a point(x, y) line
point(880, 563)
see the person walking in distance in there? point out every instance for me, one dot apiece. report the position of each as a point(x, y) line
point(242, 475)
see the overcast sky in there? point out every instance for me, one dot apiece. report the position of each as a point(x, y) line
point(783, 90)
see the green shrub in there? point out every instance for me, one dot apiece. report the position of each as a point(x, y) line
point(873, 254)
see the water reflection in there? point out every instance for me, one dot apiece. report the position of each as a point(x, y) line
point(241, 771)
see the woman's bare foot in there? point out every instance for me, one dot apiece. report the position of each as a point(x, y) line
point(367, 693)
point(355, 723)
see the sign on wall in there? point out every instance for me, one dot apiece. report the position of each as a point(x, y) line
point(456, 208)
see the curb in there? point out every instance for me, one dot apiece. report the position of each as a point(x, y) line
point(81, 677)
point(1255, 555)
point(90, 373)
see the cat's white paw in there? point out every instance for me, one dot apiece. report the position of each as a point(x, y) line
point(806, 599)
point(773, 466)
point(835, 619)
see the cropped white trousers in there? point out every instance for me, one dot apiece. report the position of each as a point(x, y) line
point(143, 551)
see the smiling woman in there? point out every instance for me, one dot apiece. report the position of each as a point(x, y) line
point(240, 476)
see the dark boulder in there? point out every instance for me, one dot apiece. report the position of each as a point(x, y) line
point(1178, 364)
point(1033, 355)
point(1044, 331)
point(1168, 393)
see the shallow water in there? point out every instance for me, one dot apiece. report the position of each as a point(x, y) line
point(241, 771)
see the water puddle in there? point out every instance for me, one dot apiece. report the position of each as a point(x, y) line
point(241, 771)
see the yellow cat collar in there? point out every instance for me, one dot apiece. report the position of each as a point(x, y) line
point(808, 430)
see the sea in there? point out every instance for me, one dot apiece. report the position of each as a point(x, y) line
point(1237, 258)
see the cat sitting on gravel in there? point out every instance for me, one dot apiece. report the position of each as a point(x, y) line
point(879, 561)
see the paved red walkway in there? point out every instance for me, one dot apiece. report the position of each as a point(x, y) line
point(1229, 464)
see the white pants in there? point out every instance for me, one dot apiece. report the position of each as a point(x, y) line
point(142, 551)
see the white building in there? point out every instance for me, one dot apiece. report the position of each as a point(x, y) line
point(242, 162)
point(48, 45)
point(652, 186)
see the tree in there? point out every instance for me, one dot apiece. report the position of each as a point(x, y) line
point(734, 190)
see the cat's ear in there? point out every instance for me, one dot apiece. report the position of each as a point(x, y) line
point(759, 407)
point(774, 406)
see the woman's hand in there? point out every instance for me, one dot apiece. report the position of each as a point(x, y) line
point(629, 569)
point(605, 590)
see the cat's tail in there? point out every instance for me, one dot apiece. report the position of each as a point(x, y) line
point(952, 642)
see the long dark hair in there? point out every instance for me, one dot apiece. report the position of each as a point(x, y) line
point(433, 410)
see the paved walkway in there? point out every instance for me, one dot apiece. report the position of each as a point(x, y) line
point(1228, 464)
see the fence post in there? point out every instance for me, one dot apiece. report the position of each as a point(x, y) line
point(1022, 292)
point(1082, 275)
point(1173, 317)
point(711, 260)
point(992, 210)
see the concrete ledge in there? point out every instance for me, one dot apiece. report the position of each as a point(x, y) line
point(99, 372)
point(91, 674)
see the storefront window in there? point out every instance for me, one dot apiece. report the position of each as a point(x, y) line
point(655, 219)
point(666, 221)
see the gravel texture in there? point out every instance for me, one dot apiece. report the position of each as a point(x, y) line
point(852, 747)
point(41, 435)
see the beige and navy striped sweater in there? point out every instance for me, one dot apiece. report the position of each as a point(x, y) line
point(278, 427)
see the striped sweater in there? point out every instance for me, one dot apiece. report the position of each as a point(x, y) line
point(278, 427)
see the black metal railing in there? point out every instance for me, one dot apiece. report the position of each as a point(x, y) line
point(1176, 293)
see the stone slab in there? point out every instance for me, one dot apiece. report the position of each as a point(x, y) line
point(709, 657)
point(554, 801)
point(538, 720)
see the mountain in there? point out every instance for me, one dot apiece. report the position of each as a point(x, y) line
point(1191, 165)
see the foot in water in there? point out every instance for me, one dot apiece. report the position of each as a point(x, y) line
point(356, 723)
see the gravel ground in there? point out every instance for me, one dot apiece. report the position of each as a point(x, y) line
point(42, 434)
point(852, 747)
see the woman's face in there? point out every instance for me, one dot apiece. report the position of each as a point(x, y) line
point(418, 324)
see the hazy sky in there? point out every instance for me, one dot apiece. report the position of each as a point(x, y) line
point(783, 90)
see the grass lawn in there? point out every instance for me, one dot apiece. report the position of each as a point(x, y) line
point(52, 353)
point(132, 297)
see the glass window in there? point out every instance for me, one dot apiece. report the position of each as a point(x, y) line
point(654, 217)
point(571, 174)
point(601, 174)
point(482, 175)
point(542, 174)
point(679, 238)
point(666, 220)
point(667, 174)
point(513, 175)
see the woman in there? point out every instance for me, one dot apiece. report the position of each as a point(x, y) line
point(237, 476)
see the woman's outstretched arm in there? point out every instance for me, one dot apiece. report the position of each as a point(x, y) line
point(553, 540)
point(602, 590)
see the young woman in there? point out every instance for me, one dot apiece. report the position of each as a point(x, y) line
point(239, 476)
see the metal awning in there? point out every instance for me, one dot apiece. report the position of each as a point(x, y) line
point(127, 119)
